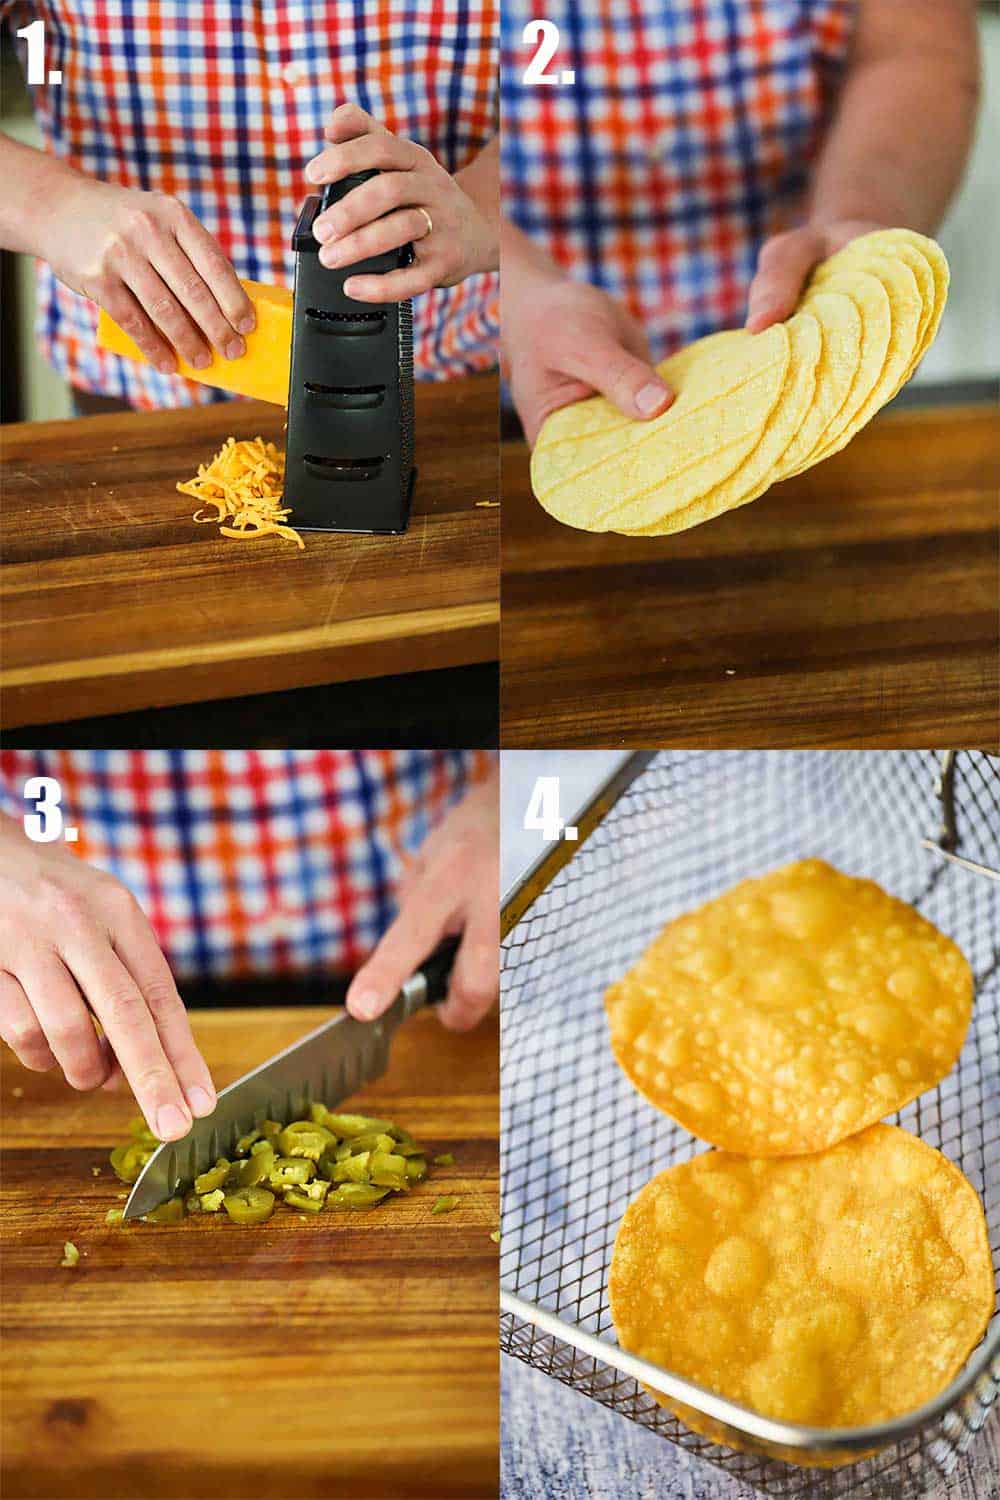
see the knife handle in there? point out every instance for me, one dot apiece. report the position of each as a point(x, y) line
point(436, 969)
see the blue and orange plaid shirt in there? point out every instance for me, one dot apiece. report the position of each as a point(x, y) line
point(252, 862)
point(686, 139)
point(222, 103)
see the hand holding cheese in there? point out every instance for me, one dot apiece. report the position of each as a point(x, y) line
point(262, 369)
point(152, 267)
point(452, 222)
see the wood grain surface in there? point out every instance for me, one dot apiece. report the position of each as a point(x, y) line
point(344, 1355)
point(855, 605)
point(112, 599)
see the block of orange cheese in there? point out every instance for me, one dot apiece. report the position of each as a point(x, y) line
point(262, 372)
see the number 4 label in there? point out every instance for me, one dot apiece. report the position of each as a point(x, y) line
point(46, 823)
point(542, 813)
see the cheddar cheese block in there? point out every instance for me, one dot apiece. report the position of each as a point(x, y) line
point(262, 372)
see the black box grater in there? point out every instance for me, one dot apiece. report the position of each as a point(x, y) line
point(349, 449)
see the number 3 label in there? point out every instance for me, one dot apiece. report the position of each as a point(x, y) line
point(45, 824)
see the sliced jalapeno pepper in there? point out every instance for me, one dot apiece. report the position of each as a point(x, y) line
point(207, 1182)
point(290, 1171)
point(444, 1205)
point(299, 1198)
point(302, 1138)
point(344, 1125)
point(171, 1212)
point(416, 1168)
point(257, 1166)
point(354, 1169)
point(249, 1205)
point(388, 1170)
point(356, 1195)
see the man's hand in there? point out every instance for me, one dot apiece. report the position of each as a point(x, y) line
point(75, 946)
point(451, 887)
point(785, 263)
point(412, 199)
point(563, 340)
point(153, 267)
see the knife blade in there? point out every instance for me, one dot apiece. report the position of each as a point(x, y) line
point(324, 1067)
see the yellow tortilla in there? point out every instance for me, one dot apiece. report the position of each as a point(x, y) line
point(756, 473)
point(905, 307)
point(841, 331)
point(923, 257)
point(593, 469)
point(791, 1011)
point(836, 1290)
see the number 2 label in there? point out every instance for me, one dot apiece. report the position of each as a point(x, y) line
point(546, 34)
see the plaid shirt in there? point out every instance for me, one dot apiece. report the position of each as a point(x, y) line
point(222, 103)
point(252, 861)
point(686, 140)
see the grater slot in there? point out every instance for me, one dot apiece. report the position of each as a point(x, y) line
point(344, 397)
point(350, 469)
point(345, 325)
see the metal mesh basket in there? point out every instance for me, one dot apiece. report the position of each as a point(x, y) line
point(671, 831)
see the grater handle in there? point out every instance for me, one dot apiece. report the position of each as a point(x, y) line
point(334, 191)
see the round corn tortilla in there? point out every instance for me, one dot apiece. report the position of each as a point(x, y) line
point(756, 473)
point(841, 331)
point(924, 258)
point(871, 299)
point(594, 469)
point(836, 1290)
point(905, 308)
point(791, 1011)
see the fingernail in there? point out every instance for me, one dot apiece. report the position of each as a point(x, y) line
point(201, 1101)
point(246, 324)
point(166, 366)
point(650, 397)
point(201, 361)
point(366, 1005)
point(322, 230)
point(314, 172)
point(349, 286)
point(235, 349)
point(330, 255)
point(171, 1124)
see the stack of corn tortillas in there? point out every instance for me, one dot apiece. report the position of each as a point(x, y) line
point(751, 409)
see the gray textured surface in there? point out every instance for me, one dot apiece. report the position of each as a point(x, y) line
point(559, 1445)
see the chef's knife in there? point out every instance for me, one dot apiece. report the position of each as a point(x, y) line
point(325, 1067)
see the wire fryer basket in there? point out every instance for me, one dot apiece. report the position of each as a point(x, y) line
point(578, 1142)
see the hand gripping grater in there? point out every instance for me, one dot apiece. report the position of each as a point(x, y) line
point(349, 451)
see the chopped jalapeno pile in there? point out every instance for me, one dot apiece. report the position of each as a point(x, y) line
point(328, 1161)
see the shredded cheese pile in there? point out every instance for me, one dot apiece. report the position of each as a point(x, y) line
point(244, 482)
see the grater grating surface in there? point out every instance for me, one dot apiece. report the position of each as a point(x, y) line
point(688, 826)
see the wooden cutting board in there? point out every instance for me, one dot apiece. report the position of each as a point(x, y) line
point(854, 605)
point(343, 1355)
point(112, 599)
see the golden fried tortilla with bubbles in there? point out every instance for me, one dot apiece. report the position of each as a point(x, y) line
point(834, 1290)
point(790, 1012)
